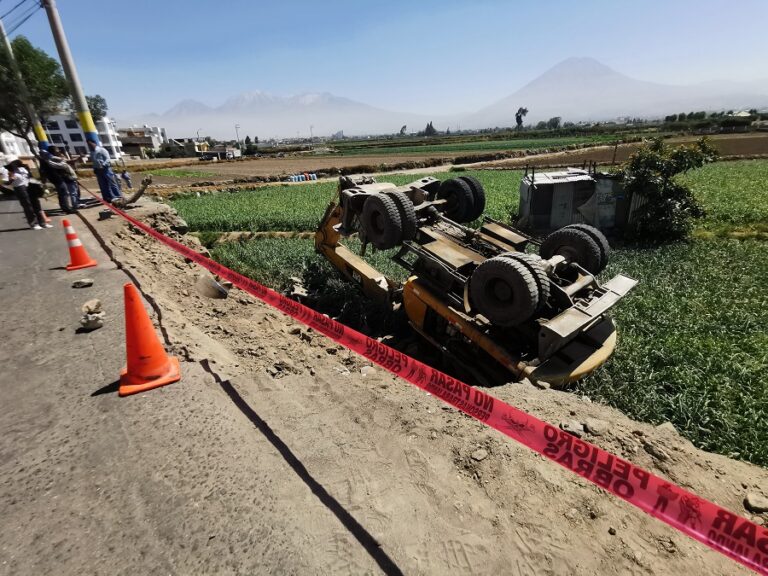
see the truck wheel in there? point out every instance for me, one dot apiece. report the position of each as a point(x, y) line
point(478, 195)
point(575, 245)
point(504, 291)
point(460, 204)
point(599, 237)
point(381, 222)
point(407, 214)
point(536, 268)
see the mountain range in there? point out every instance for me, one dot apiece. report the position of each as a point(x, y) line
point(576, 89)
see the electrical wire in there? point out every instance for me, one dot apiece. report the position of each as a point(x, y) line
point(14, 18)
point(19, 23)
point(12, 9)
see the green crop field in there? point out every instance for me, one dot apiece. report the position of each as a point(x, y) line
point(289, 208)
point(693, 347)
point(181, 173)
point(478, 146)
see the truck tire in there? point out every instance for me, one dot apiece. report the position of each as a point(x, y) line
point(461, 202)
point(575, 245)
point(599, 237)
point(381, 222)
point(407, 214)
point(504, 291)
point(478, 194)
point(536, 268)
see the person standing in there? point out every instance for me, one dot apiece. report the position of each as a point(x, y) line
point(68, 175)
point(102, 167)
point(54, 170)
point(30, 202)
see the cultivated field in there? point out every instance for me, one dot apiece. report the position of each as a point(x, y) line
point(692, 335)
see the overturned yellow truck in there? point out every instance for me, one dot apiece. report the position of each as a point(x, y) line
point(479, 295)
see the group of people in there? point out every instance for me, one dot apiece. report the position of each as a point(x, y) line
point(28, 193)
point(58, 170)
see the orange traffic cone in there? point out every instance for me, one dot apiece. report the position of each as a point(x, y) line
point(148, 365)
point(78, 256)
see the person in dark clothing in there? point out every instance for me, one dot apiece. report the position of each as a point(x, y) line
point(19, 176)
point(68, 175)
point(56, 171)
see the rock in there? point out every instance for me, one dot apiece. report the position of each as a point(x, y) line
point(208, 287)
point(543, 385)
point(595, 427)
point(92, 321)
point(655, 451)
point(294, 330)
point(572, 514)
point(525, 381)
point(612, 531)
point(667, 427)
point(572, 427)
point(479, 455)
point(312, 372)
point(367, 370)
point(92, 306)
point(756, 503)
point(84, 283)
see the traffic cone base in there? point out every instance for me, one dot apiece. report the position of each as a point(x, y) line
point(147, 365)
point(78, 255)
point(88, 264)
point(133, 385)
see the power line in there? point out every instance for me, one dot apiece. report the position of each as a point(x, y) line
point(24, 19)
point(12, 9)
point(19, 15)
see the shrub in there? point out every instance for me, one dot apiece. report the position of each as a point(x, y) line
point(667, 215)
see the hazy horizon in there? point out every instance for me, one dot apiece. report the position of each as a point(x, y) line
point(429, 58)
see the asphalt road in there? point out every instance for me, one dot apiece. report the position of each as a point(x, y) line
point(184, 479)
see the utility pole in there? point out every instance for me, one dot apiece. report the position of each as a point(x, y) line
point(42, 139)
point(78, 97)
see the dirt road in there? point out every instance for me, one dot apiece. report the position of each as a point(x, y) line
point(296, 457)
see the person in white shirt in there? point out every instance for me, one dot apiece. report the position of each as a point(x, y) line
point(19, 176)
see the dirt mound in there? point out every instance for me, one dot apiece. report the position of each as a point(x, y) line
point(440, 492)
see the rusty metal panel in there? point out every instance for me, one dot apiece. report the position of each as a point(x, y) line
point(452, 254)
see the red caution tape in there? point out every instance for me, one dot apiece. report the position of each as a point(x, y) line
point(705, 521)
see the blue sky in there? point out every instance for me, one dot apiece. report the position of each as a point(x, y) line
point(425, 56)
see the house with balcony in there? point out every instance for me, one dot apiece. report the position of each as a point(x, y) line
point(65, 132)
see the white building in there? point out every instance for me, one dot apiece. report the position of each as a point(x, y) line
point(137, 140)
point(13, 146)
point(64, 131)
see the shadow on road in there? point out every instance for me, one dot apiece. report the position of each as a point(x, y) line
point(110, 388)
point(365, 538)
point(14, 229)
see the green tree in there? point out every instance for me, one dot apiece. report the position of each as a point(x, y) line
point(97, 105)
point(554, 123)
point(247, 140)
point(519, 115)
point(670, 206)
point(45, 82)
point(429, 130)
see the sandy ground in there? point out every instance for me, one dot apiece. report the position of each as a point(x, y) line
point(727, 145)
point(222, 175)
point(289, 455)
